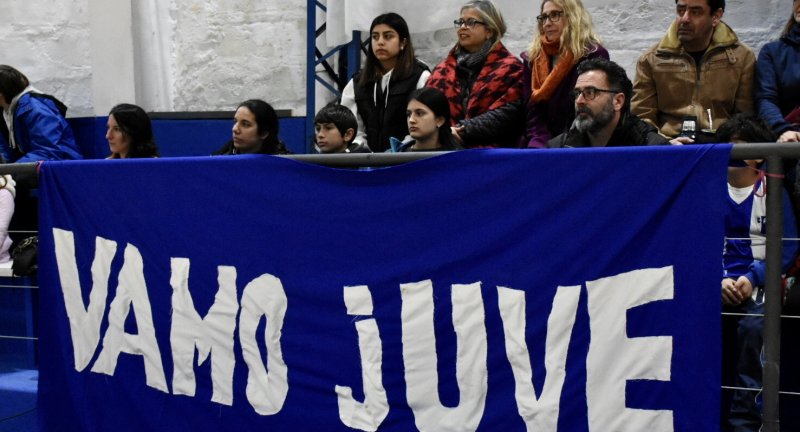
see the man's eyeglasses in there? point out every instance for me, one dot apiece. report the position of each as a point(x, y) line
point(554, 17)
point(589, 93)
point(470, 22)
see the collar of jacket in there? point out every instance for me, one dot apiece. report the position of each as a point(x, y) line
point(581, 139)
point(793, 37)
point(723, 36)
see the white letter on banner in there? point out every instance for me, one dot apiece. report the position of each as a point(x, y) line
point(132, 291)
point(614, 358)
point(420, 359)
point(264, 296)
point(369, 415)
point(84, 322)
point(540, 414)
point(212, 334)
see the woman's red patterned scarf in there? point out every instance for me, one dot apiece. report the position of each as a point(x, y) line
point(498, 83)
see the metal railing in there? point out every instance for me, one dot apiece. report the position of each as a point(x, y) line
point(774, 154)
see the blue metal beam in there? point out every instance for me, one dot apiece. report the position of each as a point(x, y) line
point(311, 65)
point(353, 49)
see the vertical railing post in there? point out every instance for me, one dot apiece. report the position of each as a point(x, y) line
point(311, 71)
point(773, 295)
point(354, 55)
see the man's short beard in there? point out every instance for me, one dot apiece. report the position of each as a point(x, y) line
point(592, 122)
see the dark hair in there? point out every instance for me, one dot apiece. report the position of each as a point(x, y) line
point(713, 5)
point(615, 75)
point(437, 102)
point(406, 60)
point(267, 121)
point(340, 116)
point(745, 127)
point(789, 24)
point(12, 82)
point(135, 124)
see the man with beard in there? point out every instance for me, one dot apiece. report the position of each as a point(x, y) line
point(602, 96)
point(699, 74)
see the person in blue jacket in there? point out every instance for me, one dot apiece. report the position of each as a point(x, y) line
point(778, 81)
point(33, 129)
point(34, 125)
point(777, 92)
point(744, 271)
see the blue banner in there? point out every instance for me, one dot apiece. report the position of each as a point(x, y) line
point(480, 290)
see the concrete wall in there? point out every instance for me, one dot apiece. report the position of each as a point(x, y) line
point(49, 41)
point(630, 27)
point(198, 55)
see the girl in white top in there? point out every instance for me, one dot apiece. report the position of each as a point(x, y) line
point(378, 93)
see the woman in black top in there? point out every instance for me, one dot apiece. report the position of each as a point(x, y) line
point(378, 93)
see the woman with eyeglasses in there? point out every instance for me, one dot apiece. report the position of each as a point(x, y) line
point(377, 94)
point(481, 79)
point(565, 36)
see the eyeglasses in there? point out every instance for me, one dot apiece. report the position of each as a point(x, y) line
point(589, 93)
point(554, 17)
point(470, 22)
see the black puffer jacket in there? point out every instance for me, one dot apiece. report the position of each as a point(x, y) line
point(503, 125)
point(386, 117)
point(631, 131)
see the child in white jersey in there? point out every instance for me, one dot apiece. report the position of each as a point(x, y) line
point(744, 271)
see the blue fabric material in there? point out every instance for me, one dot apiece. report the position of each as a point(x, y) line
point(398, 146)
point(42, 133)
point(777, 90)
point(3, 147)
point(181, 137)
point(504, 218)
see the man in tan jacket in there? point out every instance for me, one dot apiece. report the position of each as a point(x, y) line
point(696, 77)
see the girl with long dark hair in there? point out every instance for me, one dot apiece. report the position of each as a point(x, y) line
point(428, 117)
point(378, 93)
point(255, 130)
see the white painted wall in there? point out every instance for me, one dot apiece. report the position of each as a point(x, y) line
point(49, 41)
point(111, 45)
point(201, 55)
point(153, 62)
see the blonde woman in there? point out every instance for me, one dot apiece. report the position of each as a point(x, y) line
point(564, 37)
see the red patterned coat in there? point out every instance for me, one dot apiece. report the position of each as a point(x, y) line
point(488, 105)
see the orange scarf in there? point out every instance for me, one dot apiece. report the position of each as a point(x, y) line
point(544, 81)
